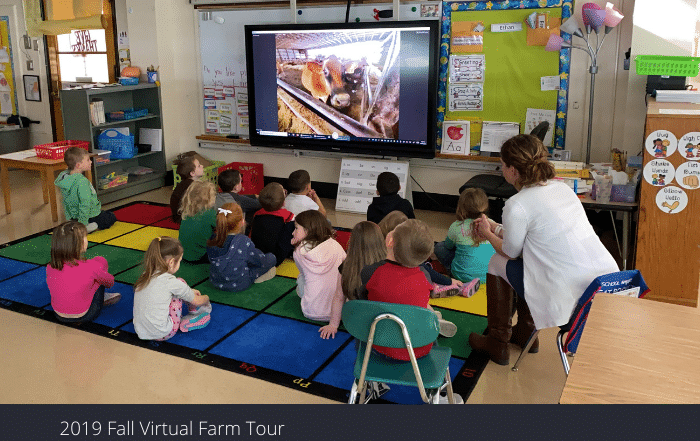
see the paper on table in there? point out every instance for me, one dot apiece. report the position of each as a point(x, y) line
point(494, 134)
point(153, 137)
point(24, 154)
point(680, 111)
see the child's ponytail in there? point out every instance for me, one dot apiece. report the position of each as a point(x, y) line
point(472, 203)
point(154, 261)
point(228, 220)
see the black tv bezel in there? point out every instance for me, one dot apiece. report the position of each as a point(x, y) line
point(359, 147)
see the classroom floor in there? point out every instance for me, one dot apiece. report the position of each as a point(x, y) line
point(50, 363)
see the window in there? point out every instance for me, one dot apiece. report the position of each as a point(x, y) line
point(83, 53)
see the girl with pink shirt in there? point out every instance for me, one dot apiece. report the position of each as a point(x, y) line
point(318, 256)
point(77, 285)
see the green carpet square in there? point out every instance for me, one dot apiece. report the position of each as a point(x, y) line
point(192, 273)
point(119, 259)
point(290, 306)
point(36, 250)
point(256, 298)
point(129, 276)
point(466, 324)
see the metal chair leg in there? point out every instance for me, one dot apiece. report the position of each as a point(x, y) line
point(527, 347)
point(562, 354)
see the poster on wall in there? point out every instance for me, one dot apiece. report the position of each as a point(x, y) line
point(466, 96)
point(8, 90)
point(466, 68)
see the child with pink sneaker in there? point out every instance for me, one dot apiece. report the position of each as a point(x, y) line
point(77, 285)
point(158, 295)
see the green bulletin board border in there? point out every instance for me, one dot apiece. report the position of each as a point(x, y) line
point(564, 56)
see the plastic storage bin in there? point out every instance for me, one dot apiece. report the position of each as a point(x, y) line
point(56, 150)
point(102, 157)
point(128, 81)
point(121, 146)
point(126, 114)
point(252, 175)
point(211, 173)
point(620, 193)
point(114, 179)
point(667, 65)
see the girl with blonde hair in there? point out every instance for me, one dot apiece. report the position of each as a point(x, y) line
point(198, 220)
point(158, 294)
point(235, 262)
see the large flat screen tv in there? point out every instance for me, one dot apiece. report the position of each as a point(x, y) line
point(366, 88)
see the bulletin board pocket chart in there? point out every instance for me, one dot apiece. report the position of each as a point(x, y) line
point(512, 68)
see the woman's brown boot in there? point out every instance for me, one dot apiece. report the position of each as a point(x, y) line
point(499, 304)
point(524, 328)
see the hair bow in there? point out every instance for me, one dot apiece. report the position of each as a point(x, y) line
point(224, 211)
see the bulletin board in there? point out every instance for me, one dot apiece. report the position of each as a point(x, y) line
point(8, 91)
point(512, 68)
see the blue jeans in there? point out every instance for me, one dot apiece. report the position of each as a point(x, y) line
point(444, 254)
point(515, 273)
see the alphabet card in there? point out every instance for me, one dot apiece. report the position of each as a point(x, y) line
point(689, 146)
point(455, 138)
point(661, 143)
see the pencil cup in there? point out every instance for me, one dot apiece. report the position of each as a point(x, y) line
point(152, 76)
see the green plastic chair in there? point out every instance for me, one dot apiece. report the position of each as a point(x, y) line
point(397, 326)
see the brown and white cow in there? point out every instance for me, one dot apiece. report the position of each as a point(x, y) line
point(337, 84)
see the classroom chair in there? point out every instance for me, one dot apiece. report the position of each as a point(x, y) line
point(397, 326)
point(622, 282)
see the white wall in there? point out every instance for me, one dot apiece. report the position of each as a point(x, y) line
point(38, 111)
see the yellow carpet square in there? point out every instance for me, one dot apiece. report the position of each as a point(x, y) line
point(288, 269)
point(140, 239)
point(115, 230)
point(475, 304)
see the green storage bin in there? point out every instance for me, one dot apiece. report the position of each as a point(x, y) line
point(675, 66)
point(211, 173)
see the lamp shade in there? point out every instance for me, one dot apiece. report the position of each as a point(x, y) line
point(612, 16)
point(571, 26)
point(554, 43)
point(584, 8)
point(595, 17)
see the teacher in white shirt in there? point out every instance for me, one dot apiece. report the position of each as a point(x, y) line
point(546, 250)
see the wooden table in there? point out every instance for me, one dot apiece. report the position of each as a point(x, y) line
point(46, 167)
point(636, 351)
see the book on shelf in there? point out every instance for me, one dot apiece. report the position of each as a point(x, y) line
point(97, 112)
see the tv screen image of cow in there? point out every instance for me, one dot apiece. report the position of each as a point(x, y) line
point(366, 88)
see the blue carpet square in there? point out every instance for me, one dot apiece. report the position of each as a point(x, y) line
point(224, 319)
point(9, 267)
point(295, 349)
point(120, 313)
point(29, 288)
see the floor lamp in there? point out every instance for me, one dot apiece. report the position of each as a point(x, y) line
point(594, 19)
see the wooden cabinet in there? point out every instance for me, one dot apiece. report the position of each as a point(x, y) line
point(668, 244)
point(75, 106)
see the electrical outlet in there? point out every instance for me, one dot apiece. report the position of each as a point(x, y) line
point(36, 45)
point(30, 65)
point(27, 42)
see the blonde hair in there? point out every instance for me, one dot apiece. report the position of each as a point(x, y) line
point(67, 243)
point(391, 220)
point(413, 243)
point(226, 223)
point(155, 262)
point(272, 196)
point(529, 157)
point(198, 197)
point(472, 203)
point(366, 246)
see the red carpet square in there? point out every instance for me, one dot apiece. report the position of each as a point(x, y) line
point(144, 214)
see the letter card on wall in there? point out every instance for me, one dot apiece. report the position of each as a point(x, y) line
point(358, 182)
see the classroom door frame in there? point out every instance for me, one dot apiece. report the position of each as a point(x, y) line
point(54, 70)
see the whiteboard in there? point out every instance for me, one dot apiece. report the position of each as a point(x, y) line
point(358, 182)
point(222, 53)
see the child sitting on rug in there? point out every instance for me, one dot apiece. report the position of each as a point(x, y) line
point(189, 169)
point(79, 197)
point(388, 187)
point(318, 256)
point(400, 278)
point(443, 286)
point(77, 285)
point(231, 183)
point(365, 247)
point(198, 220)
point(301, 196)
point(158, 295)
point(273, 225)
point(462, 253)
point(235, 262)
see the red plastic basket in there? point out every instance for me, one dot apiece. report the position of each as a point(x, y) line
point(55, 150)
point(252, 175)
